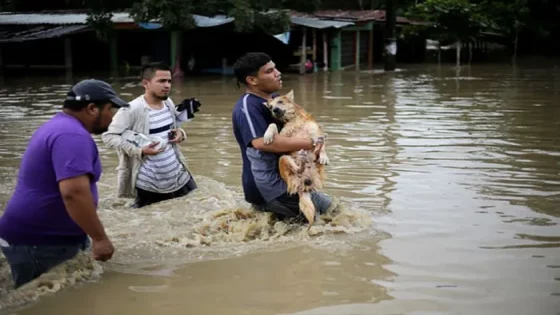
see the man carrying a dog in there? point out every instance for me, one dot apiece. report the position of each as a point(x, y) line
point(153, 172)
point(53, 208)
point(262, 185)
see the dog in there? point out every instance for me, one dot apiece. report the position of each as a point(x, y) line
point(302, 172)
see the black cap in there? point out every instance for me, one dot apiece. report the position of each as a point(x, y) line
point(95, 90)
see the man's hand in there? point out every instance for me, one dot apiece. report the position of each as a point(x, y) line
point(102, 250)
point(191, 105)
point(150, 149)
point(178, 136)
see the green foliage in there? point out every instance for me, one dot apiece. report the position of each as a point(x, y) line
point(507, 16)
point(308, 6)
point(101, 22)
point(401, 5)
point(173, 14)
point(250, 15)
point(7, 5)
point(99, 17)
point(448, 20)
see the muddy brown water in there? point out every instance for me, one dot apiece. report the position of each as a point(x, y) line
point(448, 191)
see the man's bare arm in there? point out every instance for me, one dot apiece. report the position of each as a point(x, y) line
point(79, 203)
point(282, 144)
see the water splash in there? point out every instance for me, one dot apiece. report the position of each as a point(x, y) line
point(78, 270)
point(213, 222)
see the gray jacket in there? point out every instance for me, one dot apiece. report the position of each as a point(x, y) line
point(126, 122)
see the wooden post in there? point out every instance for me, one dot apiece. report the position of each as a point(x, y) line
point(303, 51)
point(176, 54)
point(224, 65)
point(370, 49)
point(325, 51)
point(113, 53)
point(459, 46)
point(67, 53)
point(336, 42)
point(357, 48)
point(1, 62)
point(390, 36)
point(314, 59)
point(303, 91)
point(175, 47)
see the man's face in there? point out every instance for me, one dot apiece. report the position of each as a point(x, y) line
point(268, 80)
point(102, 117)
point(160, 85)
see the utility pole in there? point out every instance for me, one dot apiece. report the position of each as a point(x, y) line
point(390, 36)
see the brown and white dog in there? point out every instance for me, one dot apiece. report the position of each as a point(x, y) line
point(302, 172)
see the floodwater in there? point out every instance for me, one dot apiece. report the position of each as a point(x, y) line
point(448, 192)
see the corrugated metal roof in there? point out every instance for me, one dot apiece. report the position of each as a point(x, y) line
point(349, 15)
point(199, 20)
point(379, 15)
point(317, 23)
point(320, 19)
point(204, 21)
point(355, 16)
point(81, 18)
point(37, 32)
point(54, 18)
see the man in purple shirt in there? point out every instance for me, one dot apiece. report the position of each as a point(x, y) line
point(53, 209)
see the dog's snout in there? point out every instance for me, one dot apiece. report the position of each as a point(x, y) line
point(276, 110)
point(307, 182)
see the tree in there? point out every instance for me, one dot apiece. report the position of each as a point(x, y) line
point(7, 5)
point(270, 16)
point(448, 21)
point(364, 4)
point(100, 15)
point(508, 17)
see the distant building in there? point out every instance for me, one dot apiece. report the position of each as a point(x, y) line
point(325, 40)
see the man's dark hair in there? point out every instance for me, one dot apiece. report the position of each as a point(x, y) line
point(77, 106)
point(249, 65)
point(149, 70)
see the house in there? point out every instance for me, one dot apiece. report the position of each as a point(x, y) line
point(328, 40)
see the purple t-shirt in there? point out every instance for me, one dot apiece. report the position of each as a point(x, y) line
point(35, 215)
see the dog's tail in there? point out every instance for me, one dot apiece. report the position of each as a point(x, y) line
point(307, 207)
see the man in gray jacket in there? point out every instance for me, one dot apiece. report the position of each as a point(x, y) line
point(146, 136)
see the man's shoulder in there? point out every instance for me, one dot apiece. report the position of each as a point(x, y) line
point(240, 100)
point(249, 102)
point(238, 106)
point(73, 139)
point(62, 136)
point(61, 125)
point(170, 102)
point(256, 101)
point(137, 103)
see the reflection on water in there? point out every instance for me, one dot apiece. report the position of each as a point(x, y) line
point(448, 185)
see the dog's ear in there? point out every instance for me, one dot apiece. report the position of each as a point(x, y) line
point(290, 95)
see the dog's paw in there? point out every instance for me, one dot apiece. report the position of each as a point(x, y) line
point(268, 137)
point(323, 159)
